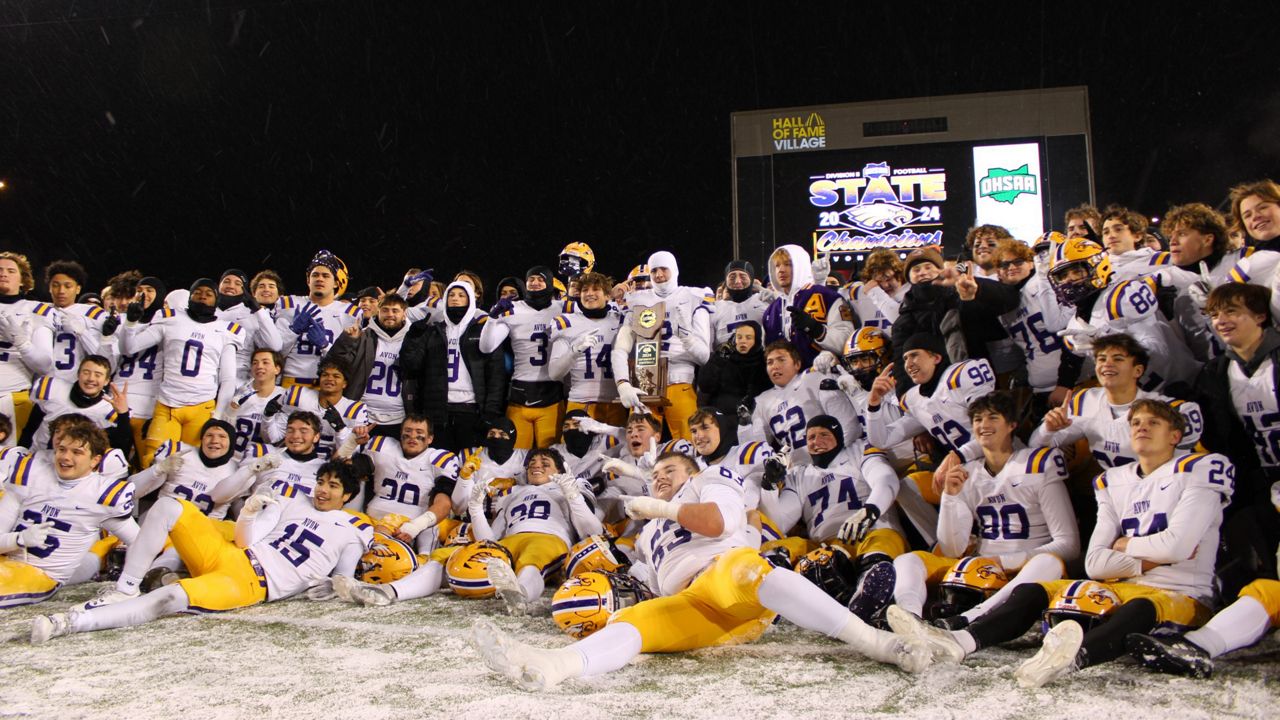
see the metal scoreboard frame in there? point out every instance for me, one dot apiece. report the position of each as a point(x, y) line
point(845, 179)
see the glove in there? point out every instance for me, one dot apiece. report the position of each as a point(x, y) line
point(806, 323)
point(35, 536)
point(322, 591)
point(647, 508)
point(824, 362)
point(250, 304)
point(593, 426)
point(415, 526)
point(469, 467)
point(650, 457)
point(744, 413)
point(304, 318)
point(821, 269)
point(169, 465)
point(316, 335)
point(479, 491)
point(848, 383)
point(725, 351)
point(768, 294)
point(589, 341)
point(334, 418)
point(856, 527)
point(568, 486)
point(133, 311)
point(265, 463)
point(257, 503)
point(618, 466)
point(273, 406)
point(17, 329)
point(500, 307)
point(423, 276)
point(74, 323)
point(110, 325)
point(630, 397)
point(1079, 339)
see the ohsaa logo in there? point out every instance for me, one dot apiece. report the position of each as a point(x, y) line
point(1006, 185)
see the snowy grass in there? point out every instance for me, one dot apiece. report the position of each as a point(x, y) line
point(300, 659)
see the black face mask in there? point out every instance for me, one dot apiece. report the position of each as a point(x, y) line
point(538, 299)
point(594, 313)
point(577, 442)
point(455, 314)
point(740, 295)
point(200, 312)
point(226, 302)
point(500, 448)
point(822, 460)
point(215, 462)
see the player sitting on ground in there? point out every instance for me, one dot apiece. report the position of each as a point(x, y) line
point(281, 548)
point(716, 590)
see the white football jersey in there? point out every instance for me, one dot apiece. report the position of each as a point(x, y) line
point(295, 477)
point(1138, 263)
point(944, 415)
point(746, 462)
point(829, 496)
point(728, 315)
point(536, 509)
point(1256, 267)
point(782, 413)
point(249, 420)
point(1034, 328)
point(144, 371)
point(354, 413)
point(530, 333)
point(1130, 307)
point(676, 555)
point(1154, 512)
point(1019, 512)
point(1255, 401)
point(194, 481)
point(383, 391)
point(77, 511)
point(192, 352)
point(403, 485)
point(591, 376)
point(260, 333)
point(301, 356)
point(305, 546)
point(1106, 426)
point(901, 454)
point(53, 396)
point(70, 348)
point(15, 372)
point(1195, 324)
point(875, 307)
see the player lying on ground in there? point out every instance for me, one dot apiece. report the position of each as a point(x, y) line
point(1157, 531)
point(716, 588)
point(282, 547)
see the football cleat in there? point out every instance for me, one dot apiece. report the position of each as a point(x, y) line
point(942, 646)
point(874, 591)
point(1174, 655)
point(532, 669)
point(45, 627)
point(159, 577)
point(912, 655)
point(1057, 656)
point(503, 579)
point(466, 570)
point(353, 591)
point(107, 596)
point(387, 560)
point(952, 623)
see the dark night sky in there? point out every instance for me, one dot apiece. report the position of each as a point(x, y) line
point(186, 137)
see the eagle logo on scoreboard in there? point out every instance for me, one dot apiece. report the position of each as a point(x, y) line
point(883, 207)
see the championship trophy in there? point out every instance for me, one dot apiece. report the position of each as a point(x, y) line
point(647, 365)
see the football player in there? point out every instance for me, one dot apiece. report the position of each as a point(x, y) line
point(583, 450)
point(264, 367)
point(582, 351)
point(576, 259)
point(783, 411)
point(373, 356)
point(144, 370)
point(414, 481)
point(288, 471)
point(876, 297)
point(236, 304)
point(865, 356)
point(267, 286)
point(715, 590)
point(1017, 495)
point(199, 365)
point(1081, 275)
point(534, 402)
point(339, 415)
point(810, 316)
point(91, 395)
point(1201, 259)
point(26, 339)
point(1122, 236)
point(78, 327)
point(1255, 211)
point(280, 549)
point(1100, 415)
point(1083, 221)
point(743, 305)
point(308, 325)
point(1157, 532)
point(686, 341)
point(52, 513)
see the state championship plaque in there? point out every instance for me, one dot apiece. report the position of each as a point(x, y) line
point(647, 364)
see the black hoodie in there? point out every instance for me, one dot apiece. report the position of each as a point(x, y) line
point(729, 376)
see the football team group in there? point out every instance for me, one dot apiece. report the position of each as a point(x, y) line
point(1076, 434)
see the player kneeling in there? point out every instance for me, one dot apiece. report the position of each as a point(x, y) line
point(282, 547)
point(1157, 530)
point(717, 590)
point(1026, 528)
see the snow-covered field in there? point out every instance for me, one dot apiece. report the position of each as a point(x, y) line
point(301, 659)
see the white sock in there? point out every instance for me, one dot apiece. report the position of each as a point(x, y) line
point(531, 582)
point(909, 590)
point(419, 583)
point(801, 602)
point(606, 650)
point(1240, 624)
point(134, 611)
point(1040, 568)
point(160, 519)
point(966, 641)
